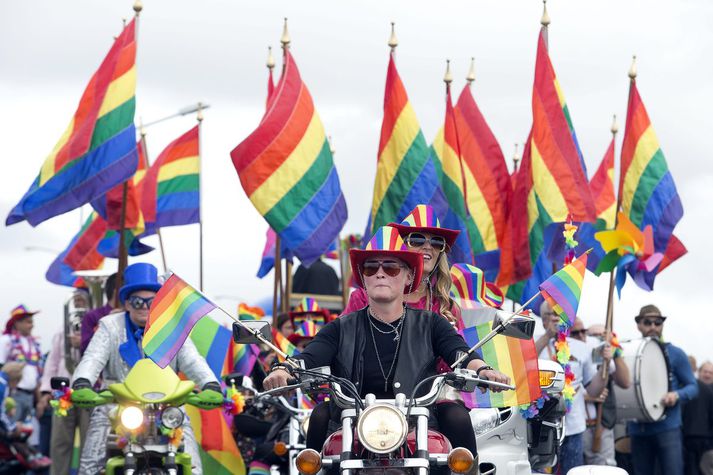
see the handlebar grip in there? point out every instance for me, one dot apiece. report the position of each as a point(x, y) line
point(292, 381)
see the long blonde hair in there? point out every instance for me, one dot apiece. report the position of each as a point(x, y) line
point(442, 289)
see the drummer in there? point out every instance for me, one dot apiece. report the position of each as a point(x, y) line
point(660, 443)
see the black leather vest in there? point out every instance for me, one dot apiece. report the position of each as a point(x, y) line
point(416, 359)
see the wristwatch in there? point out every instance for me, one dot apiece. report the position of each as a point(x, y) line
point(482, 368)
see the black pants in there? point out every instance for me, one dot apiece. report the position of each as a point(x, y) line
point(452, 416)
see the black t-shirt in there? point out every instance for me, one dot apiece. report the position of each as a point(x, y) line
point(373, 377)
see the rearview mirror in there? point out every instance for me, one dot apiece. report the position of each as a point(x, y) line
point(518, 326)
point(246, 337)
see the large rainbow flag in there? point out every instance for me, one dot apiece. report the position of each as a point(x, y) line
point(647, 192)
point(602, 188)
point(175, 310)
point(219, 452)
point(511, 356)
point(212, 341)
point(97, 150)
point(286, 169)
point(405, 175)
point(563, 290)
point(170, 190)
point(80, 254)
point(446, 155)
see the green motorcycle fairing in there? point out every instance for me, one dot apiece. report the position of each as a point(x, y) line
point(148, 383)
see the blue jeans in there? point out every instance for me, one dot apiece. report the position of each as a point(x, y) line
point(571, 453)
point(664, 449)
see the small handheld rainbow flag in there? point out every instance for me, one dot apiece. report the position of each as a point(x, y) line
point(175, 310)
point(564, 288)
point(284, 344)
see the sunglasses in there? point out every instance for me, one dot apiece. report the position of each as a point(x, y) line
point(391, 268)
point(419, 240)
point(647, 323)
point(578, 332)
point(137, 303)
point(317, 319)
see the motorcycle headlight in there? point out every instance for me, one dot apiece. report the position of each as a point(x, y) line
point(172, 417)
point(484, 420)
point(132, 417)
point(382, 429)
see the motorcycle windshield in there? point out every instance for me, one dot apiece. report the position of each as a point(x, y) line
point(147, 383)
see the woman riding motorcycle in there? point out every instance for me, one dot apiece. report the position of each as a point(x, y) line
point(386, 347)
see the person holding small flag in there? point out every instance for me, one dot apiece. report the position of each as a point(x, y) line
point(116, 347)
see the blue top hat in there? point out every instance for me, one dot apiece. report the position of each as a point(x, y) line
point(139, 276)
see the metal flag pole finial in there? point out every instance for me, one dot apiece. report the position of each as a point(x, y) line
point(393, 41)
point(138, 6)
point(632, 70)
point(270, 59)
point(448, 77)
point(285, 38)
point(471, 72)
point(614, 126)
point(545, 19)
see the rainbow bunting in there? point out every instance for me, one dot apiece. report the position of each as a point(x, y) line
point(487, 181)
point(511, 356)
point(97, 150)
point(602, 188)
point(286, 169)
point(647, 192)
point(564, 288)
point(212, 341)
point(446, 155)
point(175, 310)
point(218, 450)
point(170, 192)
point(405, 174)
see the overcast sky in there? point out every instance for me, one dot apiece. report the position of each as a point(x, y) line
point(215, 51)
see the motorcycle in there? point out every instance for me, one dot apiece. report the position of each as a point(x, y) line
point(148, 435)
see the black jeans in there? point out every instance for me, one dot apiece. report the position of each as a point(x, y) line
point(452, 416)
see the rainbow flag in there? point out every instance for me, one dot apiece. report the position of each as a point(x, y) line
point(175, 310)
point(602, 188)
point(487, 180)
point(80, 254)
point(97, 150)
point(405, 175)
point(267, 262)
point(240, 358)
point(284, 344)
point(212, 341)
point(286, 169)
point(563, 290)
point(170, 190)
point(245, 312)
point(218, 450)
point(511, 356)
point(646, 189)
point(446, 155)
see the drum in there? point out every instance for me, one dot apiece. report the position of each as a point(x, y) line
point(649, 381)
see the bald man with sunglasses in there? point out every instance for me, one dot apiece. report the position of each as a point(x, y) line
point(661, 443)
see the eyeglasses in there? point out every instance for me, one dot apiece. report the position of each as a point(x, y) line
point(647, 323)
point(137, 303)
point(419, 240)
point(317, 319)
point(391, 268)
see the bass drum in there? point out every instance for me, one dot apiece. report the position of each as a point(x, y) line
point(649, 381)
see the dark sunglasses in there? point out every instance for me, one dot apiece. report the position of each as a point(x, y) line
point(137, 303)
point(391, 268)
point(317, 319)
point(647, 323)
point(578, 332)
point(419, 240)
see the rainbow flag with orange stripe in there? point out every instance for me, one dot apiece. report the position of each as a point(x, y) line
point(286, 169)
point(219, 452)
point(602, 188)
point(647, 191)
point(487, 182)
point(511, 356)
point(446, 156)
point(97, 151)
point(405, 175)
point(284, 344)
point(563, 290)
point(176, 308)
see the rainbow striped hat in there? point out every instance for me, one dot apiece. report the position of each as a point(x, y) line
point(423, 219)
point(470, 290)
point(387, 242)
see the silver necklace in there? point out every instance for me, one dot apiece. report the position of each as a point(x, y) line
point(393, 328)
point(378, 357)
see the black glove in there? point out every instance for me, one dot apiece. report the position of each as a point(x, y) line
point(81, 383)
point(213, 386)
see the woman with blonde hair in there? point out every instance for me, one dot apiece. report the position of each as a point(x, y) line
point(422, 232)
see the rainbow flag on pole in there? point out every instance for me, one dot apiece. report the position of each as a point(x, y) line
point(175, 310)
point(97, 151)
point(563, 290)
point(286, 169)
point(602, 188)
point(219, 452)
point(646, 189)
point(511, 356)
point(212, 341)
point(405, 175)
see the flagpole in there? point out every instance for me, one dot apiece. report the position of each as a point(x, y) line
point(199, 118)
point(277, 281)
point(144, 149)
point(545, 22)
